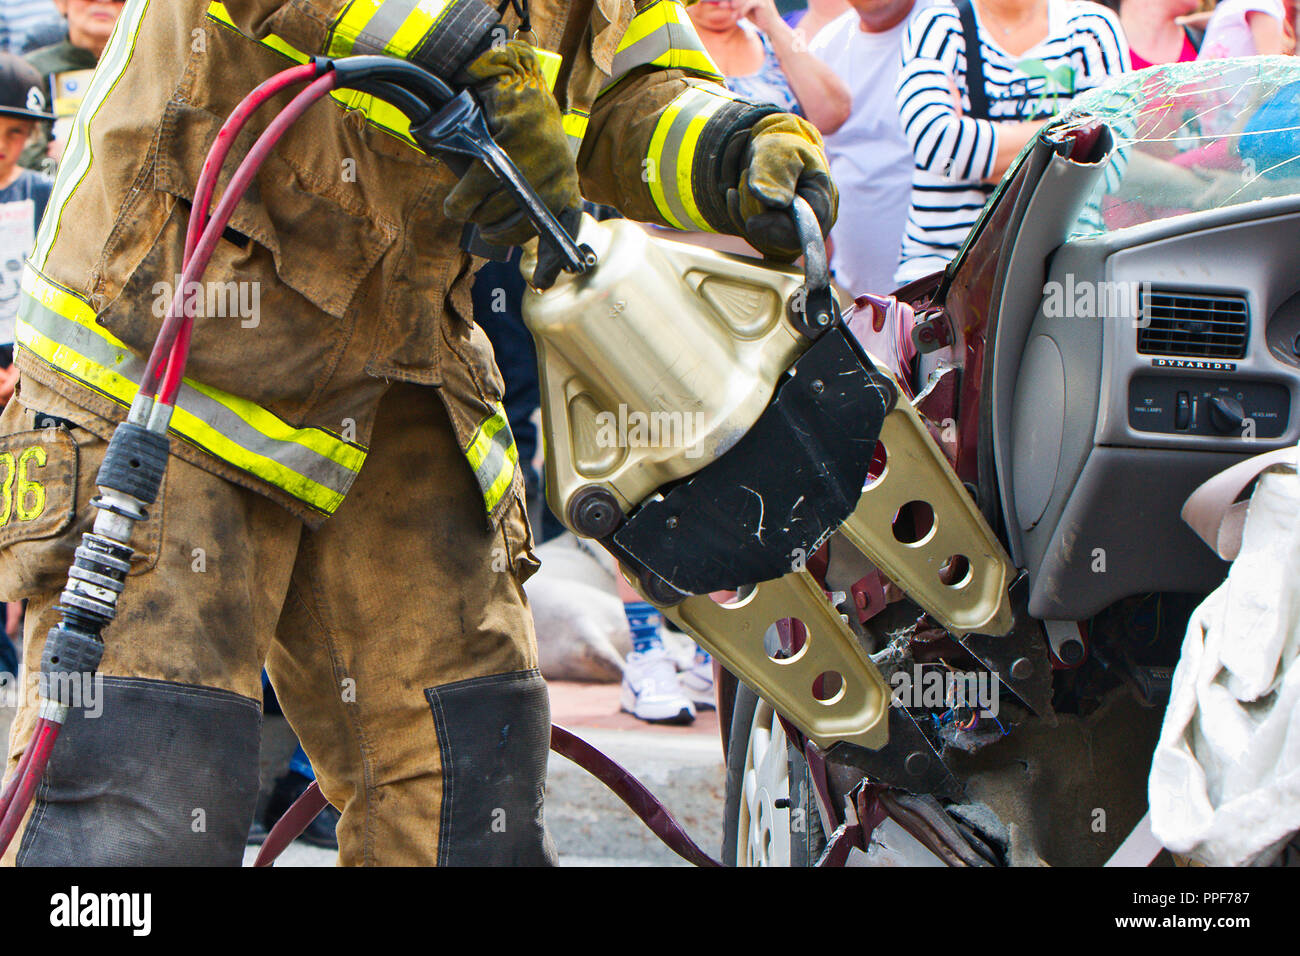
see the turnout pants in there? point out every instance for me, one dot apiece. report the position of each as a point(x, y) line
point(397, 638)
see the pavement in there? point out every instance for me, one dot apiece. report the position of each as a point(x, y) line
point(683, 766)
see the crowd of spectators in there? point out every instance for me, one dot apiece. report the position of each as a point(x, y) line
point(943, 94)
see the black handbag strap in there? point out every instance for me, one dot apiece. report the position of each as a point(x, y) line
point(979, 99)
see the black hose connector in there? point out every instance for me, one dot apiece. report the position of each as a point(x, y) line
point(366, 68)
point(134, 463)
point(70, 660)
point(95, 581)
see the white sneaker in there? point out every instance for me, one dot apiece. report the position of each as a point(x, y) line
point(651, 691)
point(697, 682)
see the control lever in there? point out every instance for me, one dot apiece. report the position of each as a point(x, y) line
point(459, 127)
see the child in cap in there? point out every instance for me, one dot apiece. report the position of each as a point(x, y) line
point(23, 195)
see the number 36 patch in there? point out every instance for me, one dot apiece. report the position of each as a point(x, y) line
point(38, 483)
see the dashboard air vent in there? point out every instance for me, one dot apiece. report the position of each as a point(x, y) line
point(1193, 324)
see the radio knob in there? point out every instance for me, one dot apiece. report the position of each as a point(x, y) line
point(1226, 415)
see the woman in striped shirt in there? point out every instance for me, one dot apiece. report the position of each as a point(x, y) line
point(966, 124)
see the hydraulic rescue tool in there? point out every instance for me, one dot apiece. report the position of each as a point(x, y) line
point(779, 418)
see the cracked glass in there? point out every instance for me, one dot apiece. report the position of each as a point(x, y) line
point(1191, 137)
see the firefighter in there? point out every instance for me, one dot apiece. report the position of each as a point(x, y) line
point(342, 501)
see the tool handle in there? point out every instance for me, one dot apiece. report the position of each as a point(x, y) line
point(816, 312)
point(459, 127)
point(453, 125)
point(816, 269)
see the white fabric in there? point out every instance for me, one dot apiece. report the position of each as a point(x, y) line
point(871, 160)
point(1225, 779)
point(1228, 32)
point(1139, 848)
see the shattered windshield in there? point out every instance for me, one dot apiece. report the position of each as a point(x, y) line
point(1194, 136)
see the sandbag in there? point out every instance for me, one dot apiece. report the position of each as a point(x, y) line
point(582, 631)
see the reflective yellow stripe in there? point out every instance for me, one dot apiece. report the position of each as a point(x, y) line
point(672, 154)
point(652, 18)
point(575, 127)
point(380, 113)
point(71, 307)
point(550, 65)
point(217, 11)
point(394, 26)
point(310, 464)
point(284, 49)
point(412, 31)
point(492, 454)
point(662, 35)
point(378, 22)
point(354, 19)
point(349, 25)
point(183, 422)
point(78, 154)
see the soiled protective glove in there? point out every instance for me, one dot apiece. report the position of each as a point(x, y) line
point(784, 155)
point(525, 121)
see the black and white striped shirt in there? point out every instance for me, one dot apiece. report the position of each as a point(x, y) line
point(955, 152)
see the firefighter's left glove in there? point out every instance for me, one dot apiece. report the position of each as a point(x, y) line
point(524, 119)
point(784, 156)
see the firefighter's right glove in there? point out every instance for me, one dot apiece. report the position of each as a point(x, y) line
point(784, 156)
point(524, 119)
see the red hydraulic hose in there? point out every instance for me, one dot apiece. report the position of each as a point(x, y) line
point(626, 787)
point(24, 787)
point(176, 361)
point(197, 263)
point(226, 137)
point(171, 348)
point(211, 172)
point(632, 792)
point(7, 797)
point(291, 825)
